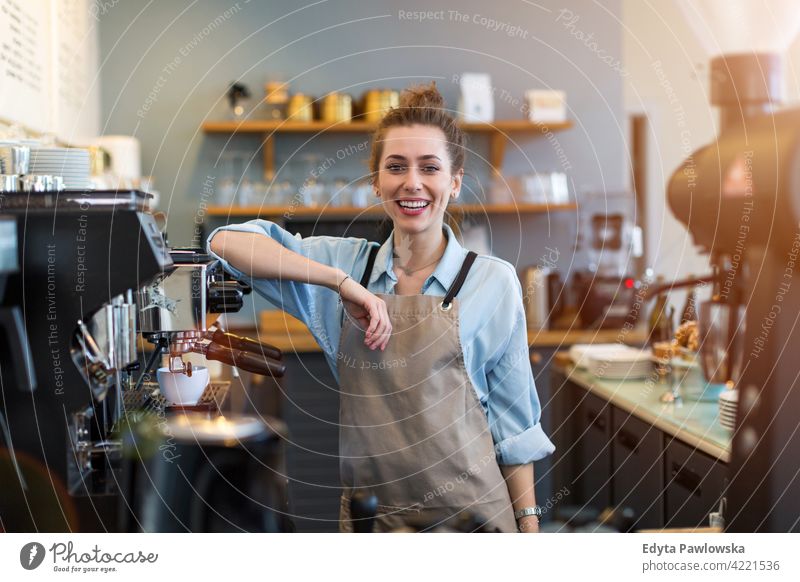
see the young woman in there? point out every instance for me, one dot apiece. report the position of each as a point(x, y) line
point(439, 412)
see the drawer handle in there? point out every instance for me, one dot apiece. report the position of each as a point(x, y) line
point(596, 419)
point(536, 358)
point(627, 440)
point(686, 478)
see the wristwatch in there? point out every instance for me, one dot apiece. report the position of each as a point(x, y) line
point(526, 511)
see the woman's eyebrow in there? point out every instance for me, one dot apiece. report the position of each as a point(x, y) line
point(425, 157)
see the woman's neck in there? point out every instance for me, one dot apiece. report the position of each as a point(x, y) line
point(420, 250)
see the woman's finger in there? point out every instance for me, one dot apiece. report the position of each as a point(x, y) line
point(388, 330)
point(374, 320)
point(380, 329)
point(378, 336)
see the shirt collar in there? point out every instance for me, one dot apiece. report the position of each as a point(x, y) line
point(445, 272)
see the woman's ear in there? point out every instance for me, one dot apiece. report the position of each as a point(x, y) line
point(458, 178)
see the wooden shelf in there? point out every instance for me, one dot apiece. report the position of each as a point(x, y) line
point(376, 210)
point(497, 133)
point(283, 126)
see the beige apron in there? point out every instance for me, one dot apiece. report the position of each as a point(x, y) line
point(412, 430)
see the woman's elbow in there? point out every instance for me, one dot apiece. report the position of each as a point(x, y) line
point(217, 243)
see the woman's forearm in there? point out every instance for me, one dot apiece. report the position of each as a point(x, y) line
point(519, 480)
point(261, 257)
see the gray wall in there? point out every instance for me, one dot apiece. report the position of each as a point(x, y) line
point(351, 46)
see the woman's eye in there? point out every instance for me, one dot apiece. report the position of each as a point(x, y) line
point(431, 169)
point(394, 168)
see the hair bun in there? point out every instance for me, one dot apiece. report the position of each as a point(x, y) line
point(422, 96)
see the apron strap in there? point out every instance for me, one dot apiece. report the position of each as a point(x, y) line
point(370, 262)
point(459, 280)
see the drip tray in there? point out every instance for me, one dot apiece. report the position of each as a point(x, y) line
point(149, 398)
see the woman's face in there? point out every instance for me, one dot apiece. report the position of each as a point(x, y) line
point(414, 180)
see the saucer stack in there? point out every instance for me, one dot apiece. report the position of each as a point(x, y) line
point(70, 163)
point(728, 402)
point(624, 364)
point(580, 353)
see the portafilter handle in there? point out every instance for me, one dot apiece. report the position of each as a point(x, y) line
point(238, 342)
point(255, 363)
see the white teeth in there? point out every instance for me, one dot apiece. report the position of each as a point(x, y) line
point(413, 204)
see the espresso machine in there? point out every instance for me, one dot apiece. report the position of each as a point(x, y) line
point(97, 278)
point(605, 291)
point(739, 197)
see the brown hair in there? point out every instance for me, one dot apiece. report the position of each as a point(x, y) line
point(422, 105)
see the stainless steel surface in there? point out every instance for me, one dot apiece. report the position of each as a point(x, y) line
point(182, 341)
point(177, 301)
point(536, 296)
point(105, 345)
point(84, 199)
point(114, 329)
point(92, 362)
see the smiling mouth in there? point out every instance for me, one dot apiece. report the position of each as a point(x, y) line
point(413, 207)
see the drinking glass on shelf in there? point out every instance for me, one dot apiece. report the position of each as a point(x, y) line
point(341, 193)
point(280, 193)
point(247, 195)
point(225, 191)
point(361, 195)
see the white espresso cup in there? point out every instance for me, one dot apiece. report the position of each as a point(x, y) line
point(179, 388)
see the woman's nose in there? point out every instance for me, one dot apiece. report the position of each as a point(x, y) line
point(412, 182)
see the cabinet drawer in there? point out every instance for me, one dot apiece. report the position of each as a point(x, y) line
point(637, 469)
point(593, 437)
point(695, 484)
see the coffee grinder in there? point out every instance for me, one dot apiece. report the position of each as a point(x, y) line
point(739, 197)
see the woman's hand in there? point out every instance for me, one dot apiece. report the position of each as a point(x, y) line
point(369, 312)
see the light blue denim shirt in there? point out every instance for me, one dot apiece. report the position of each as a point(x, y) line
point(491, 318)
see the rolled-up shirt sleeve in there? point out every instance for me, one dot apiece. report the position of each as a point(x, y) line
point(314, 305)
point(513, 404)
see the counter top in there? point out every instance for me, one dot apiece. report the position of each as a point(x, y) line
point(289, 334)
point(692, 422)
